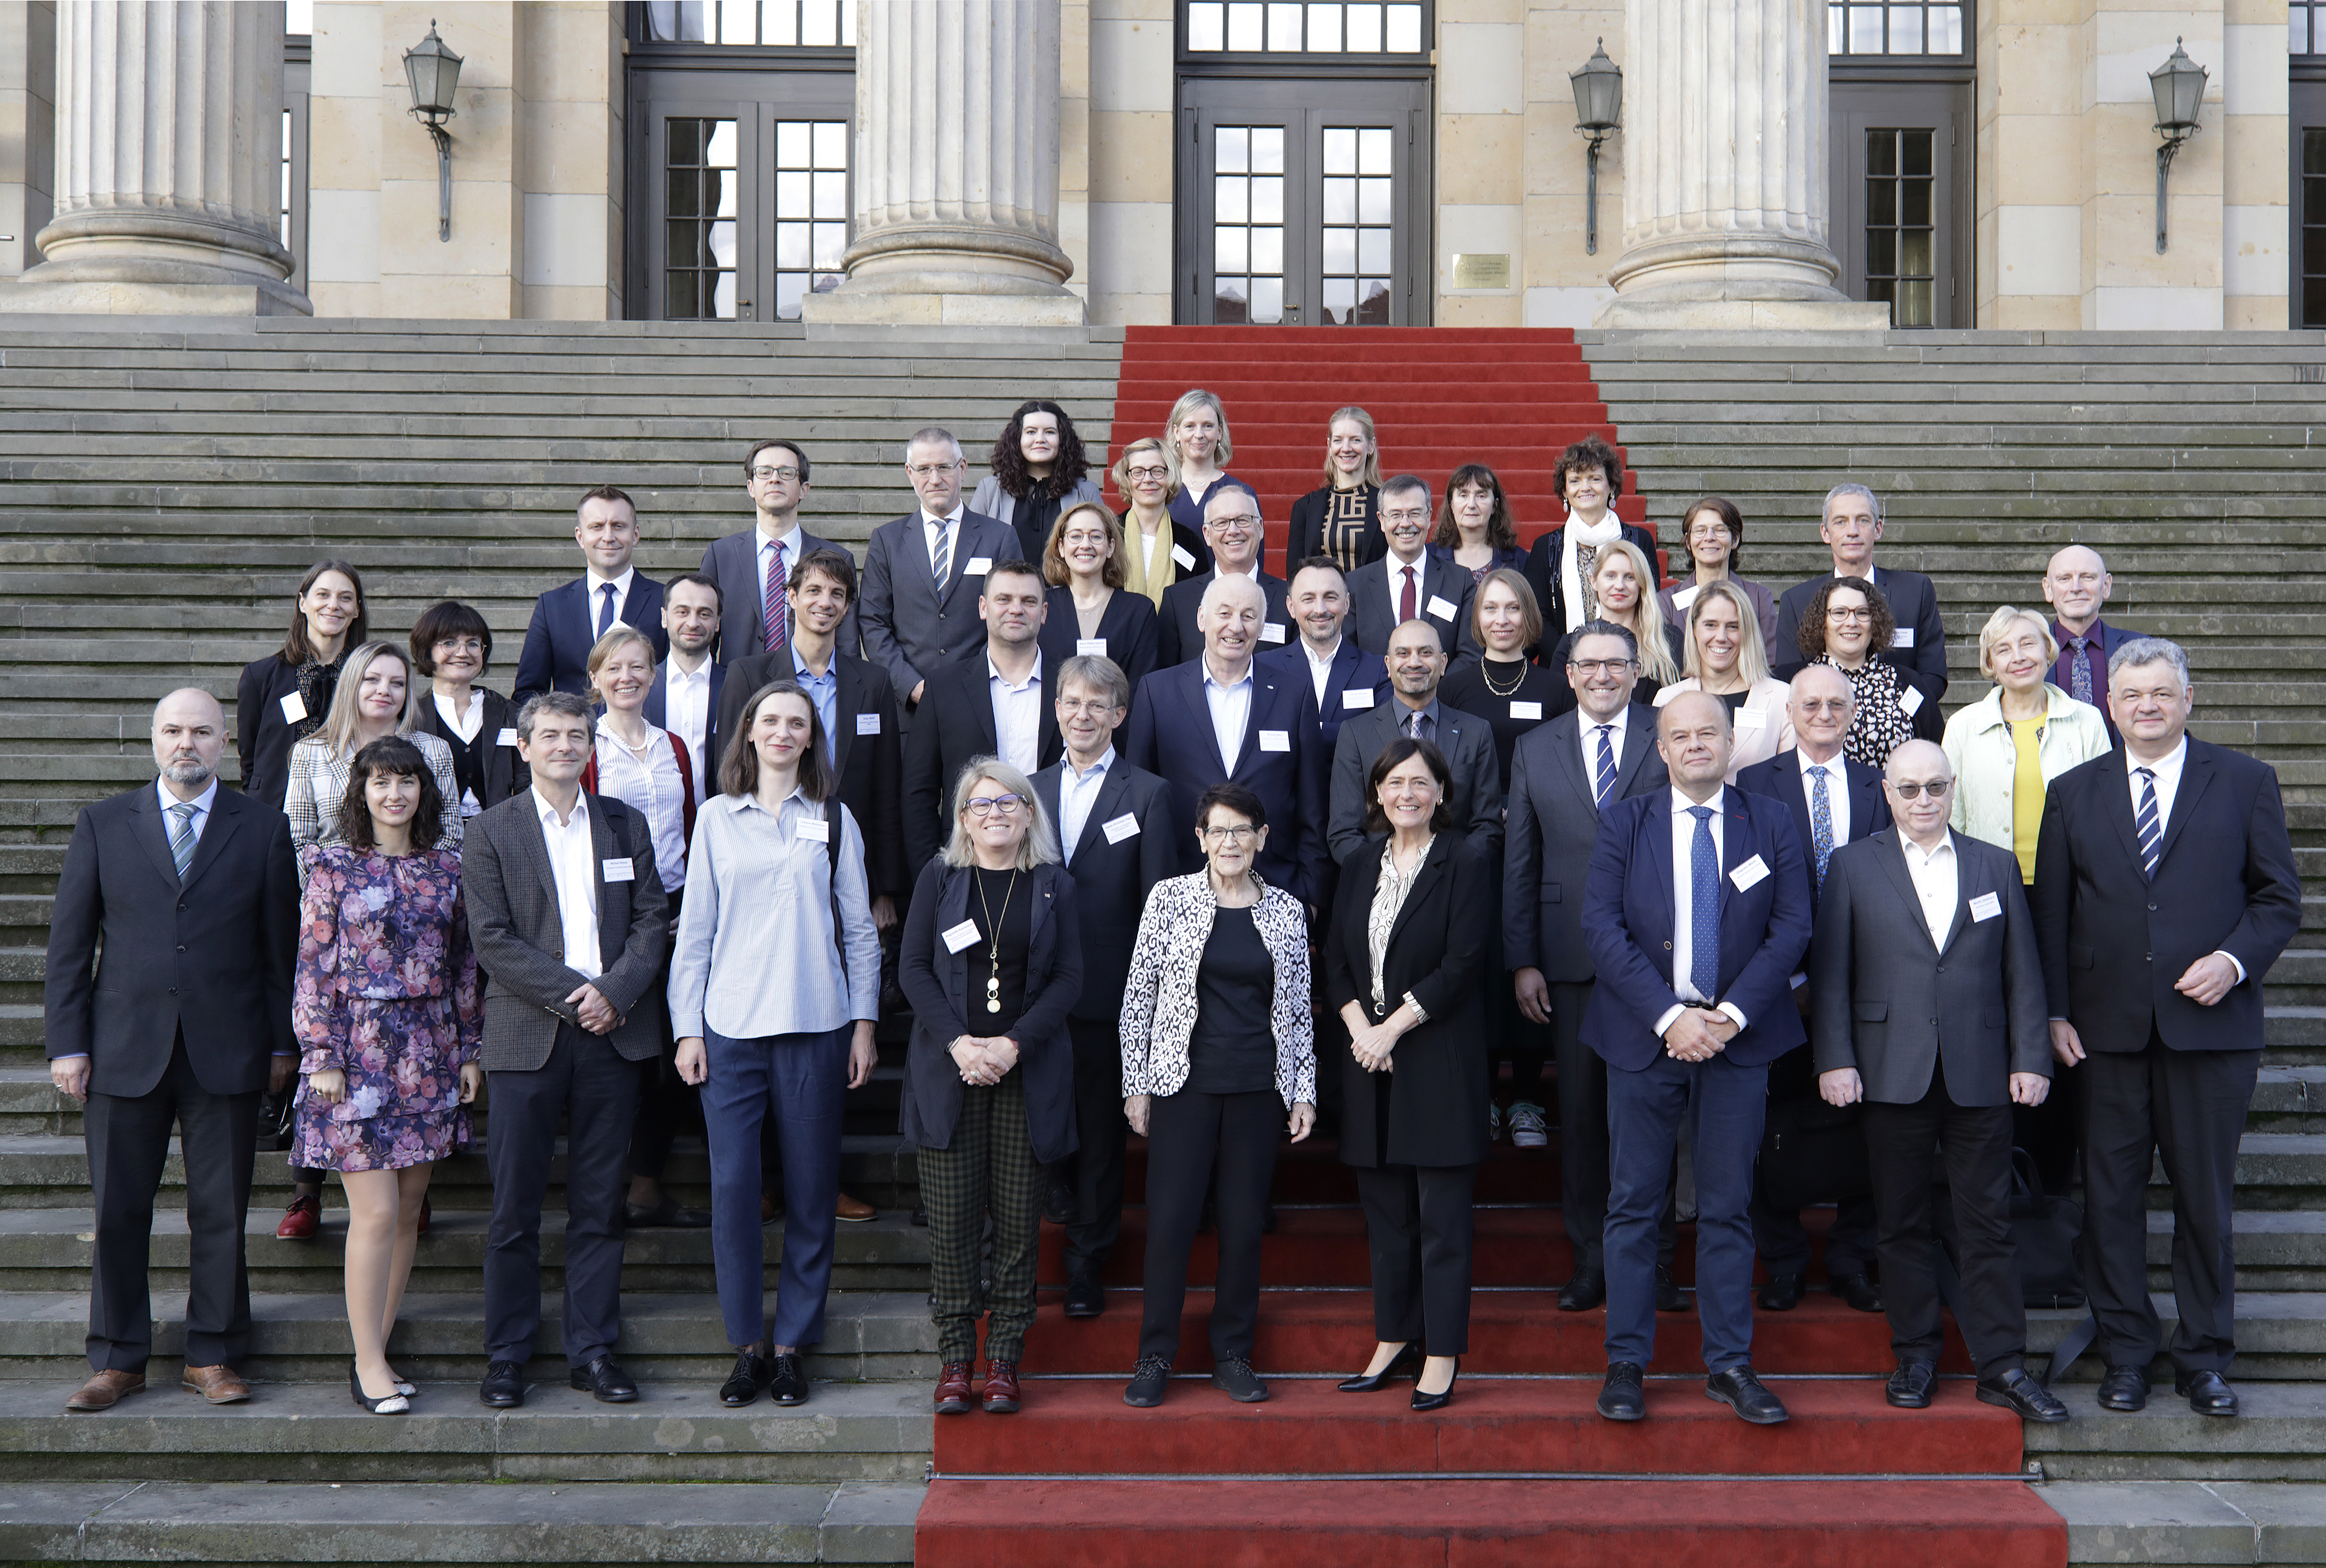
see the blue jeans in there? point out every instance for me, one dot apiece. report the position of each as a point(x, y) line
point(800, 1080)
point(1644, 1112)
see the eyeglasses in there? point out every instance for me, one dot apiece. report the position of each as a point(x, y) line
point(1245, 524)
point(1156, 472)
point(1243, 833)
point(931, 469)
point(787, 475)
point(1587, 668)
point(986, 805)
point(1937, 787)
point(1833, 613)
point(1838, 707)
point(1097, 707)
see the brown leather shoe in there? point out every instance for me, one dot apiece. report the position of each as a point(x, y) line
point(1001, 1388)
point(302, 1219)
point(106, 1390)
point(855, 1210)
point(953, 1389)
point(219, 1385)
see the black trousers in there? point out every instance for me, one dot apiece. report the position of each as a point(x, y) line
point(1417, 1226)
point(1190, 1137)
point(1096, 1167)
point(2189, 1106)
point(667, 1104)
point(1905, 1145)
point(1583, 1135)
point(595, 1088)
point(128, 1141)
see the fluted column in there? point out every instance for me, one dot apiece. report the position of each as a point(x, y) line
point(956, 167)
point(169, 147)
point(1725, 192)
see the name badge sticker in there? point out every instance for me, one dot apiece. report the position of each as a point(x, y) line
point(1276, 740)
point(1752, 872)
point(1910, 700)
point(1687, 596)
point(979, 565)
point(1090, 648)
point(1271, 632)
point(1440, 608)
point(619, 870)
point(867, 723)
point(816, 829)
point(1526, 710)
point(294, 708)
point(1902, 638)
point(960, 936)
point(506, 738)
point(1182, 557)
point(1123, 827)
point(1356, 697)
point(1985, 906)
point(1751, 719)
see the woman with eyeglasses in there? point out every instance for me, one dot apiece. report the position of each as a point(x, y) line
point(1847, 624)
point(1039, 470)
point(1722, 654)
point(1088, 610)
point(1157, 548)
point(1218, 1051)
point(992, 965)
point(1342, 517)
point(451, 646)
point(1713, 531)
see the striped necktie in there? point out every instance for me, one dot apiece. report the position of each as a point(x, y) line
point(774, 606)
point(1604, 784)
point(942, 563)
point(182, 837)
point(2149, 822)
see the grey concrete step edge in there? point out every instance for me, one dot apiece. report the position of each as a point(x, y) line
point(2172, 1521)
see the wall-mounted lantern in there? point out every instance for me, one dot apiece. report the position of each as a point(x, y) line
point(434, 72)
point(1598, 108)
point(2179, 86)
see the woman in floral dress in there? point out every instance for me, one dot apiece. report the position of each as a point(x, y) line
point(388, 1015)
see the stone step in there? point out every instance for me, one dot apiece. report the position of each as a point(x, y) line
point(400, 1524)
point(2191, 1521)
point(2280, 1436)
point(2275, 1250)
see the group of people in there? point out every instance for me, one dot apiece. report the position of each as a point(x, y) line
point(1156, 842)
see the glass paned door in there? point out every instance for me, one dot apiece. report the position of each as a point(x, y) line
point(1900, 224)
point(1901, 185)
point(699, 157)
point(1248, 225)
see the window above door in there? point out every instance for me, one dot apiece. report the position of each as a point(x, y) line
point(1378, 28)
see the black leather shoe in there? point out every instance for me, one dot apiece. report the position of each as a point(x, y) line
point(746, 1382)
point(1622, 1397)
point(667, 1215)
point(1743, 1393)
point(1857, 1291)
point(1085, 1297)
point(2209, 1393)
point(1406, 1363)
point(1443, 1397)
point(1586, 1290)
point(1059, 1206)
point(2017, 1392)
point(1782, 1293)
point(504, 1385)
point(605, 1381)
point(1670, 1297)
point(2125, 1388)
point(789, 1383)
point(1908, 1387)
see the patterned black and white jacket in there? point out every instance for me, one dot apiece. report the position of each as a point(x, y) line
point(1159, 999)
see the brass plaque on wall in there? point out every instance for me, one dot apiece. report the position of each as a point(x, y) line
point(1482, 271)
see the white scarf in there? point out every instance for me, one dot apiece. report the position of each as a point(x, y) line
point(1606, 531)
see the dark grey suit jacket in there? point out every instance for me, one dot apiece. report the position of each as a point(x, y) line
point(908, 630)
point(1373, 617)
point(733, 563)
point(1466, 739)
point(1549, 828)
point(1885, 1000)
point(1112, 877)
point(520, 942)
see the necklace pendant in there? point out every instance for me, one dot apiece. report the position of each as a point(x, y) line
point(993, 986)
point(993, 1004)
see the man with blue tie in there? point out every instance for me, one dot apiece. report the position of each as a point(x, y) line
point(924, 573)
point(569, 620)
point(1696, 912)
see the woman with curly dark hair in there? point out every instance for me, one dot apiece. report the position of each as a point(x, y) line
point(1039, 468)
point(1588, 478)
point(1848, 624)
point(1474, 530)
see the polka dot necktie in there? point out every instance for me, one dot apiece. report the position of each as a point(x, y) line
point(1704, 928)
point(2080, 670)
point(1820, 823)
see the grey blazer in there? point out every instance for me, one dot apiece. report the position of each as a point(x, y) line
point(1468, 743)
point(908, 630)
point(1886, 1001)
point(733, 563)
point(1372, 616)
point(991, 501)
point(513, 922)
point(1549, 829)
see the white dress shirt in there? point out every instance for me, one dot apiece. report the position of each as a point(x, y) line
point(647, 781)
point(1587, 733)
point(1936, 883)
point(570, 851)
point(465, 722)
point(1017, 716)
point(621, 586)
point(1836, 796)
point(1683, 839)
point(1320, 670)
point(686, 713)
point(1230, 705)
point(1077, 793)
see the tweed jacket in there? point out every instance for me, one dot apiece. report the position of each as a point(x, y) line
point(1159, 997)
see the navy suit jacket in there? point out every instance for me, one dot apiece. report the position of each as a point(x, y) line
point(1780, 778)
point(557, 643)
point(656, 709)
point(1628, 922)
point(1170, 734)
point(1179, 640)
point(733, 563)
point(1373, 617)
point(1351, 668)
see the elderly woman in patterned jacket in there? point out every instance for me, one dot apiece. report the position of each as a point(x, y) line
point(1217, 1046)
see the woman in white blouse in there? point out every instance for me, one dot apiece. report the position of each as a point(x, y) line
point(1723, 655)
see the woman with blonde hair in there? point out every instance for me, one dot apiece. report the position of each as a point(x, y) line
point(1087, 611)
point(2008, 746)
point(1159, 549)
point(1342, 517)
point(1624, 587)
point(1197, 437)
point(1722, 655)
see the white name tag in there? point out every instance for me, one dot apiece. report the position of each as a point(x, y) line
point(816, 829)
point(1910, 700)
point(1985, 906)
point(1356, 697)
point(960, 936)
point(506, 738)
point(1271, 632)
point(1685, 597)
point(1902, 638)
point(619, 870)
point(1276, 740)
point(1526, 710)
point(294, 708)
point(979, 565)
point(1752, 870)
point(1089, 647)
point(1123, 827)
point(1183, 558)
point(867, 723)
point(1440, 608)
point(1751, 719)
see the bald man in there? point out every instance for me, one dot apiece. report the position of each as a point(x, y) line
point(2076, 585)
point(168, 1005)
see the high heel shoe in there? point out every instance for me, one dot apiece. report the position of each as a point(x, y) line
point(1440, 1400)
point(393, 1404)
point(1406, 1363)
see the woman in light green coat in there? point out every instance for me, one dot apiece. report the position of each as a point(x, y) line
point(2011, 744)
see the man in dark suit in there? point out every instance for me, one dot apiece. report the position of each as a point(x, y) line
point(1927, 1004)
point(1218, 716)
point(1409, 583)
point(1563, 775)
point(569, 920)
point(1834, 801)
point(1318, 599)
point(568, 620)
point(923, 571)
point(2165, 888)
point(1114, 829)
point(168, 1001)
point(2077, 585)
point(1851, 528)
point(1696, 912)
point(1416, 662)
point(1232, 530)
point(687, 685)
point(998, 707)
point(754, 568)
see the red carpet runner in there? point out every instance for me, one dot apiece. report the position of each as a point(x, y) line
point(1518, 1469)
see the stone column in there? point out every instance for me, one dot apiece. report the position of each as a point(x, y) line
point(956, 168)
point(169, 149)
point(1725, 183)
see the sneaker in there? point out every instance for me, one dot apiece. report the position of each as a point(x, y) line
point(1528, 1129)
point(1493, 1122)
point(1234, 1377)
point(1147, 1382)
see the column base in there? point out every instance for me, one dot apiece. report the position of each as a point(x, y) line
point(93, 297)
point(1724, 315)
point(906, 307)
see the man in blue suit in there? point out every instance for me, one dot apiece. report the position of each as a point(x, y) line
point(1696, 912)
point(1318, 602)
point(569, 619)
point(1217, 716)
point(685, 696)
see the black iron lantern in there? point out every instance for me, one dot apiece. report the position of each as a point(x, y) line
point(2178, 88)
point(434, 73)
point(1599, 110)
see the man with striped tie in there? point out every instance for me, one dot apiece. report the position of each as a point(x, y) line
point(167, 1002)
point(754, 568)
point(2164, 890)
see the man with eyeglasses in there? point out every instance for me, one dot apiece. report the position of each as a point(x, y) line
point(1835, 800)
point(1851, 528)
point(1409, 583)
point(923, 572)
point(2077, 585)
point(753, 568)
point(569, 620)
point(1233, 530)
point(1416, 662)
point(1927, 1006)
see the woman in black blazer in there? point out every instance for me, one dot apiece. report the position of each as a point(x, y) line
point(1088, 608)
point(451, 645)
point(281, 699)
point(992, 964)
point(1402, 963)
point(1342, 518)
